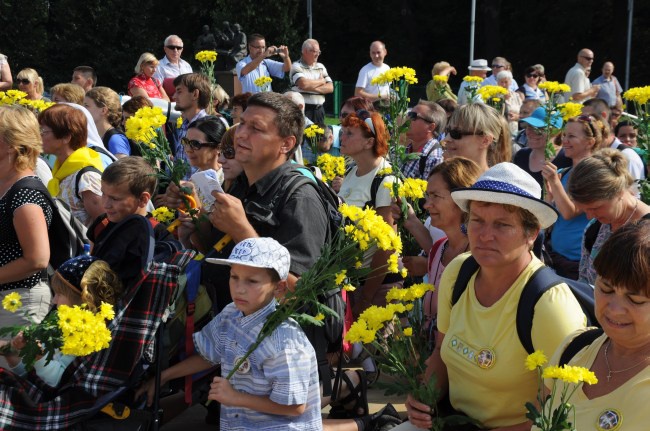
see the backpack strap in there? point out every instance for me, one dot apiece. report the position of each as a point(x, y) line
point(422, 163)
point(103, 151)
point(108, 135)
point(581, 341)
point(591, 233)
point(467, 269)
point(622, 146)
point(78, 178)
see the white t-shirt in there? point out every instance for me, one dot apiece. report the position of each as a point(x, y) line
point(367, 74)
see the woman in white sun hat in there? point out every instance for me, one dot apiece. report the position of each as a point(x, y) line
point(479, 358)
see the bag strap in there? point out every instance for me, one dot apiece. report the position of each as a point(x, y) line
point(77, 178)
point(103, 151)
point(467, 269)
point(591, 234)
point(109, 134)
point(422, 162)
point(541, 281)
point(581, 341)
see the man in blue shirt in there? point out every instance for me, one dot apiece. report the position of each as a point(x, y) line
point(256, 64)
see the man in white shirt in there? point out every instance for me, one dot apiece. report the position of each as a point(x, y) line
point(310, 78)
point(172, 65)
point(376, 67)
point(576, 78)
point(256, 64)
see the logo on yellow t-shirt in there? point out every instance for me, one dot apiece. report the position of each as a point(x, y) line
point(610, 420)
point(484, 357)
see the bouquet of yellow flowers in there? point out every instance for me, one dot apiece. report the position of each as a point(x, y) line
point(394, 333)
point(338, 267)
point(493, 95)
point(313, 134)
point(555, 91)
point(547, 418)
point(17, 97)
point(640, 97)
point(473, 85)
point(72, 330)
point(264, 82)
point(331, 166)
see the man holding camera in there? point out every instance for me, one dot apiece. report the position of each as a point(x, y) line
point(256, 64)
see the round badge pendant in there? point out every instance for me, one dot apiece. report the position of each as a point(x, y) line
point(609, 420)
point(245, 367)
point(485, 358)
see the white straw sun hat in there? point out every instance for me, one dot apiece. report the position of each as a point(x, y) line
point(506, 183)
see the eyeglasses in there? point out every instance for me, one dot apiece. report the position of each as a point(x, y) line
point(228, 152)
point(315, 51)
point(457, 134)
point(412, 115)
point(498, 66)
point(174, 47)
point(532, 75)
point(534, 130)
point(196, 145)
point(587, 58)
point(45, 131)
point(23, 81)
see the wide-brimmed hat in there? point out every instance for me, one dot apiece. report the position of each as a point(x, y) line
point(538, 119)
point(259, 253)
point(506, 183)
point(479, 64)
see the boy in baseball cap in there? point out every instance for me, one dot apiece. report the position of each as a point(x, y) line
point(277, 385)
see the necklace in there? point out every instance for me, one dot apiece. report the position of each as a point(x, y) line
point(636, 204)
point(610, 371)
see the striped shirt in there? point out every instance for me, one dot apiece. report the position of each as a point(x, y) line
point(283, 367)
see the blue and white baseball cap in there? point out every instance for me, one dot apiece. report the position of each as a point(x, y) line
point(259, 253)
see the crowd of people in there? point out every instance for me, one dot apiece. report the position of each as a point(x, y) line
point(497, 211)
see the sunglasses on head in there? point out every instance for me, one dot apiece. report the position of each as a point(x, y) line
point(23, 81)
point(366, 118)
point(196, 145)
point(457, 134)
point(412, 115)
point(228, 152)
point(174, 47)
point(587, 119)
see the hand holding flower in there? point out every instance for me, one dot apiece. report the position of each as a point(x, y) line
point(418, 413)
point(222, 391)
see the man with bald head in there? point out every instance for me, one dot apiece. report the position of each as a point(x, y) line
point(576, 78)
point(310, 78)
point(376, 67)
point(610, 88)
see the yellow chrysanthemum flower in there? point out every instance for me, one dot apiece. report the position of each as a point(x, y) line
point(319, 316)
point(536, 359)
point(106, 311)
point(163, 215)
point(331, 166)
point(340, 277)
point(263, 81)
point(489, 92)
point(313, 130)
point(205, 56)
point(408, 332)
point(570, 110)
point(179, 122)
point(473, 79)
point(12, 302)
point(554, 87)
point(441, 79)
point(640, 95)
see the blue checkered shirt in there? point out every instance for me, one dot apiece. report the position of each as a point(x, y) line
point(283, 367)
point(432, 150)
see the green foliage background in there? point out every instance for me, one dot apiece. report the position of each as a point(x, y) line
point(57, 35)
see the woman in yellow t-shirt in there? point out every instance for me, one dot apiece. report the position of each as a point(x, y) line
point(478, 357)
point(620, 357)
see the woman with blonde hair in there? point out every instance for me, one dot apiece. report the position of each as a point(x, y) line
point(602, 187)
point(477, 132)
point(66, 92)
point(144, 84)
point(32, 84)
point(581, 138)
point(25, 217)
point(104, 106)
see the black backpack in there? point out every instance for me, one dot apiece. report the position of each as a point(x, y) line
point(333, 325)
point(67, 235)
point(581, 341)
point(134, 148)
point(542, 280)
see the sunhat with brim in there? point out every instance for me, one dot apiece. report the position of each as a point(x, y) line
point(506, 183)
point(480, 64)
point(538, 119)
point(259, 253)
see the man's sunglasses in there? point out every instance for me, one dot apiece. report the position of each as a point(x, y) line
point(174, 47)
point(412, 115)
point(196, 145)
